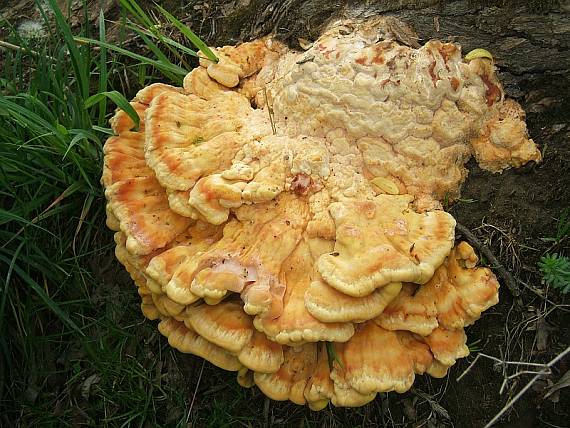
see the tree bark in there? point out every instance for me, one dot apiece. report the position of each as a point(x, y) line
point(529, 39)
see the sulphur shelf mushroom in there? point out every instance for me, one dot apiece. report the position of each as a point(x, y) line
point(281, 214)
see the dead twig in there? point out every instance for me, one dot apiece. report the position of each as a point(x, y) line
point(527, 387)
point(545, 369)
point(495, 263)
point(556, 244)
point(543, 297)
point(195, 392)
point(506, 246)
point(13, 47)
point(270, 111)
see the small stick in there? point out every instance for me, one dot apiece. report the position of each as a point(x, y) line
point(270, 110)
point(526, 388)
point(195, 392)
point(546, 299)
point(502, 362)
point(504, 273)
point(13, 47)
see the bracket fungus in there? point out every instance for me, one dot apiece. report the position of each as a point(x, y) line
point(281, 214)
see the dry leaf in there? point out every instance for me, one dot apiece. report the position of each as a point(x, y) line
point(563, 382)
point(304, 43)
point(410, 409)
point(87, 384)
point(543, 330)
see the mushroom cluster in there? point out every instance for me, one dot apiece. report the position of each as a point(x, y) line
point(281, 214)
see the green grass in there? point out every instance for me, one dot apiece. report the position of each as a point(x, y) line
point(70, 348)
point(562, 228)
point(555, 271)
point(554, 267)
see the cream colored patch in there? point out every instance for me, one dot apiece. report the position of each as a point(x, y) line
point(384, 241)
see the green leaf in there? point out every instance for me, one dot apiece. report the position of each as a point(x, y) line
point(102, 70)
point(149, 27)
point(169, 67)
point(78, 62)
point(7, 282)
point(7, 216)
point(61, 129)
point(119, 100)
point(189, 34)
point(135, 10)
point(42, 294)
point(556, 271)
point(103, 130)
point(164, 39)
point(563, 224)
point(80, 135)
point(333, 356)
point(161, 57)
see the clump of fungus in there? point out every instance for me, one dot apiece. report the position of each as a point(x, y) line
point(281, 215)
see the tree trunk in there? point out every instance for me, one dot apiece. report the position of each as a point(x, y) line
point(529, 39)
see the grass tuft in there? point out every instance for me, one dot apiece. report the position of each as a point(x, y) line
point(556, 271)
point(70, 332)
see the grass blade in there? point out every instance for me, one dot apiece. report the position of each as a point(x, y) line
point(161, 57)
point(79, 65)
point(119, 100)
point(189, 34)
point(7, 282)
point(137, 12)
point(168, 67)
point(166, 40)
point(103, 77)
point(42, 294)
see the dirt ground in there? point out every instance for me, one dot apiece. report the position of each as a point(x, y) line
point(509, 212)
